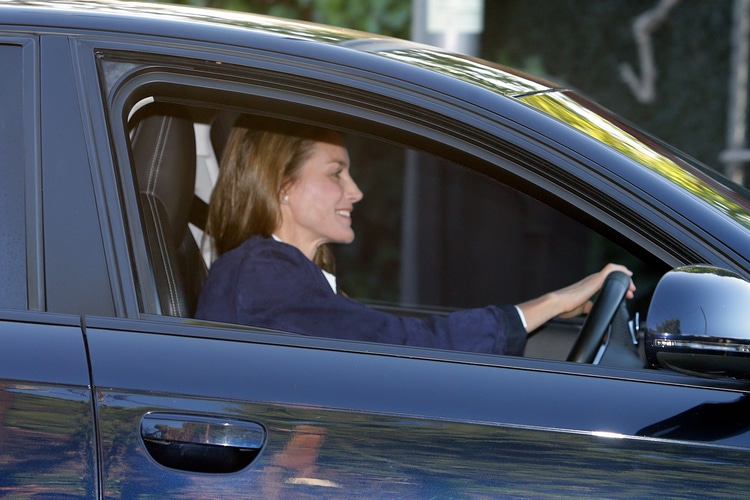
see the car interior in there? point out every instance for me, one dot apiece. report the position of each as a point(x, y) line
point(163, 146)
point(176, 149)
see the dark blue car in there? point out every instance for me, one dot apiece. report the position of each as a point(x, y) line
point(482, 185)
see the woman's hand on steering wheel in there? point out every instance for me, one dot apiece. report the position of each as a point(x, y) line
point(572, 300)
point(617, 285)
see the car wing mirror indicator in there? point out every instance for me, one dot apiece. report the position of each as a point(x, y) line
point(196, 443)
point(699, 322)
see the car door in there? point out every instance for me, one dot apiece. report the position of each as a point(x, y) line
point(336, 419)
point(188, 408)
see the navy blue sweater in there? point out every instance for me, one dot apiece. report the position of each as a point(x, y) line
point(269, 284)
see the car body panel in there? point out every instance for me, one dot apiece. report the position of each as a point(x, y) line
point(71, 220)
point(323, 429)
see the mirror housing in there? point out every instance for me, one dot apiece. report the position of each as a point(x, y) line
point(699, 323)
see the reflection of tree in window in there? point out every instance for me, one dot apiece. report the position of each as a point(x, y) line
point(669, 326)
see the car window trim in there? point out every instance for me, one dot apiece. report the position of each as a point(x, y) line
point(298, 77)
point(461, 147)
point(201, 329)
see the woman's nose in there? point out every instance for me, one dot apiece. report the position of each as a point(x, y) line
point(353, 192)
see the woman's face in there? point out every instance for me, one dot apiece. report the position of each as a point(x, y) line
point(317, 207)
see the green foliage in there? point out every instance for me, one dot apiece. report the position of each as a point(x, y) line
point(386, 17)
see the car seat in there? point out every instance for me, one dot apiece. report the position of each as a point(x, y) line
point(163, 145)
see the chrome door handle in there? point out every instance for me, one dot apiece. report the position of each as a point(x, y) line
point(197, 443)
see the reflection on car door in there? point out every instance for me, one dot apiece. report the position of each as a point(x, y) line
point(47, 439)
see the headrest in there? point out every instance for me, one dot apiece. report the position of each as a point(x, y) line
point(163, 143)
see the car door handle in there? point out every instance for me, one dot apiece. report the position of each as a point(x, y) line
point(197, 443)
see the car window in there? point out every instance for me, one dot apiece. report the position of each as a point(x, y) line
point(432, 234)
point(12, 156)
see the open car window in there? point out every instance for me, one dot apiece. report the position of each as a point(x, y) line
point(433, 234)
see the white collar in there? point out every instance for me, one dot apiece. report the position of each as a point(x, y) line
point(330, 278)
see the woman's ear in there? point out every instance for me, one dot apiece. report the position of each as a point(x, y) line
point(283, 192)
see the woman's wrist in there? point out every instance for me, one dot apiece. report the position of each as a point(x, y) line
point(538, 311)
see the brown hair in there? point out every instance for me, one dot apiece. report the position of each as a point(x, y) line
point(261, 157)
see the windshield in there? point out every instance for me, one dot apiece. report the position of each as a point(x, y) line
point(709, 185)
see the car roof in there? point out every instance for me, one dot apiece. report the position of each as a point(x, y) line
point(227, 27)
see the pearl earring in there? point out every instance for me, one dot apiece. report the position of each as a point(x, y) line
point(285, 199)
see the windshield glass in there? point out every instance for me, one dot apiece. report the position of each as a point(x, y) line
point(709, 185)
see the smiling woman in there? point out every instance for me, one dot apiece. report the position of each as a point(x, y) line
point(317, 198)
point(261, 163)
point(283, 181)
point(284, 192)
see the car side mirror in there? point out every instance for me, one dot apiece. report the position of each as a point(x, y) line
point(699, 322)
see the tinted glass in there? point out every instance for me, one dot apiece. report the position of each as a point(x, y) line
point(12, 153)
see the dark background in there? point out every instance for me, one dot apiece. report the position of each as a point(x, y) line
point(582, 43)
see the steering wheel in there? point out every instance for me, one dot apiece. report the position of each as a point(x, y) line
point(595, 325)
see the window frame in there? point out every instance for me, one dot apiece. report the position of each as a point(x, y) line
point(540, 171)
point(531, 164)
point(265, 100)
